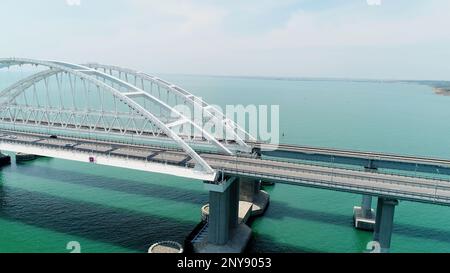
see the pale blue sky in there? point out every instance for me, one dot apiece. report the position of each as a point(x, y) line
point(398, 39)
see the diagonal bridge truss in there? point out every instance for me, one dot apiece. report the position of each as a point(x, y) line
point(110, 102)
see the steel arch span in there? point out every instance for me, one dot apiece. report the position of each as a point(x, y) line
point(66, 98)
point(239, 135)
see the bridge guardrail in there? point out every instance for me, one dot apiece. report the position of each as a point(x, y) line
point(348, 176)
point(87, 151)
point(427, 198)
point(342, 166)
point(361, 176)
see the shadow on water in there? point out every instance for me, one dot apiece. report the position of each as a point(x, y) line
point(135, 231)
point(120, 185)
point(279, 210)
point(269, 244)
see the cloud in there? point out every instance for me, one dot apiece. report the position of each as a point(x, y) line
point(351, 27)
point(181, 16)
point(293, 38)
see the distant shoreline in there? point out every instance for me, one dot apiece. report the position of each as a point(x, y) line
point(439, 87)
point(432, 83)
point(442, 91)
point(286, 78)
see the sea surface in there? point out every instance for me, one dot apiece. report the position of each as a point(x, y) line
point(47, 203)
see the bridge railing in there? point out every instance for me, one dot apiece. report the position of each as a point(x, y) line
point(347, 167)
point(358, 173)
point(357, 176)
point(327, 184)
point(93, 151)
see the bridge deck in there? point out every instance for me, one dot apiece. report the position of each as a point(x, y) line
point(359, 158)
point(356, 181)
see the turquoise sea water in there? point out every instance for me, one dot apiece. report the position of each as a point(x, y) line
point(46, 203)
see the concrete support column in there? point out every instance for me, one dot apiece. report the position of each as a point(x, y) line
point(370, 166)
point(223, 211)
point(4, 159)
point(376, 230)
point(248, 189)
point(384, 222)
point(225, 233)
point(234, 204)
point(366, 206)
point(363, 216)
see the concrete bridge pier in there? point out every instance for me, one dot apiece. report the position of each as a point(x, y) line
point(364, 215)
point(225, 233)
point(250, 191)
point(4, 159)
point(384, 223)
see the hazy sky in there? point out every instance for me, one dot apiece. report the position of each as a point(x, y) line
point(401, 39)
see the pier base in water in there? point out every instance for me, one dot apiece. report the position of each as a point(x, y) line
point(231, 204)
point(364, 216)
point(236, 243)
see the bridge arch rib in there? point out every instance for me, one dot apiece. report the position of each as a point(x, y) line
point(232, 129)
point(99, 79)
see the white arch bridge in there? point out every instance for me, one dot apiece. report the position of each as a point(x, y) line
point(102, 102)
point(119, 117)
